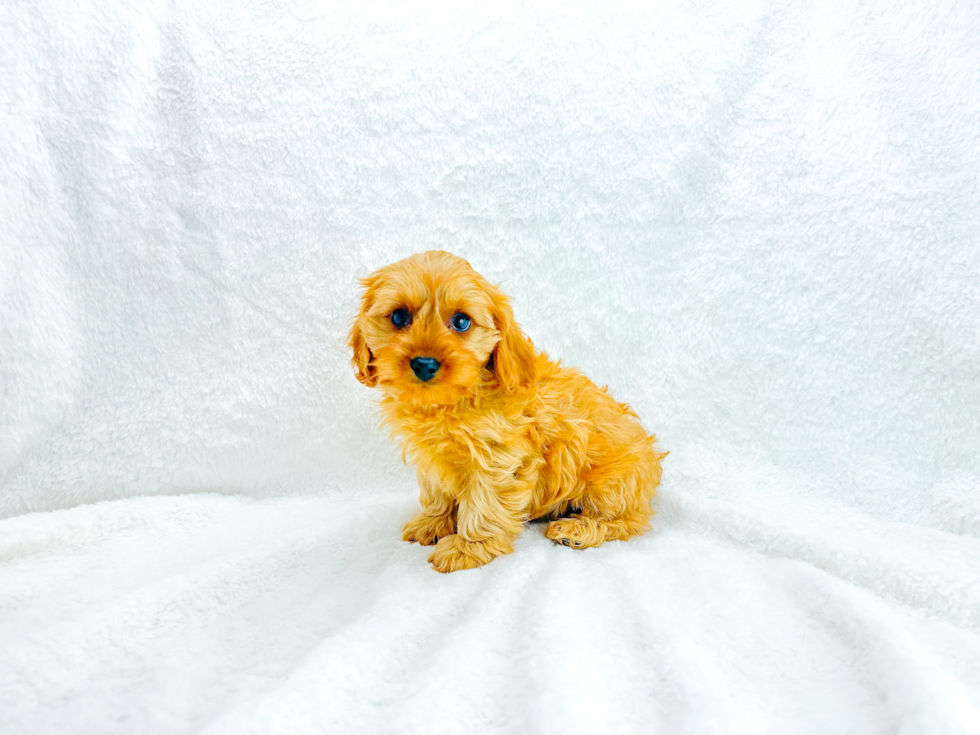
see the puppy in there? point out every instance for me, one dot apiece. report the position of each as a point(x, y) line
point(500, 434)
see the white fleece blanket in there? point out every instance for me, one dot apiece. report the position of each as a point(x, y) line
point(759, 223)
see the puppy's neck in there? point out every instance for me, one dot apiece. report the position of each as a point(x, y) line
point(472, 408)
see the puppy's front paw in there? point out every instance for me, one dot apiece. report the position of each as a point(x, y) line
point(453, 553)
point(426, 530)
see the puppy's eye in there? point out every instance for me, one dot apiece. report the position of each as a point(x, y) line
point(401, 318)
point(461, 322)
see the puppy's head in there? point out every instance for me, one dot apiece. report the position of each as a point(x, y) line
point(431, 329)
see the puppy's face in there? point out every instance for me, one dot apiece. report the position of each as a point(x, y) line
point(427, 328)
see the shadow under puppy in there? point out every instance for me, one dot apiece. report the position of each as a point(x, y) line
point(500, 433)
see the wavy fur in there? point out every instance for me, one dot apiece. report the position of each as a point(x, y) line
point(501, 435)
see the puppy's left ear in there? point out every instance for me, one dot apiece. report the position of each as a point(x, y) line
point(514, 357)
point(362, 359)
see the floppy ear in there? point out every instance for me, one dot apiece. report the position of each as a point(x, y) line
point(362, 359)
point(514, 359)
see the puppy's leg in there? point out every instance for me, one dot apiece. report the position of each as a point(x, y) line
point(438, 516)
point(612, 510)
point(490, 516)
point(582, 530)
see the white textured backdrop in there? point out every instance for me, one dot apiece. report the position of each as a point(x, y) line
point(759, 223)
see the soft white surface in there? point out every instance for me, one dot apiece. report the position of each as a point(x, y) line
point(759, 224)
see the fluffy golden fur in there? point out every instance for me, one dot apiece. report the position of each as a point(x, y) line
point(500, 434)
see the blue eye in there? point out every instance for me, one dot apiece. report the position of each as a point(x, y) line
point(401, 318)
point(461, 322)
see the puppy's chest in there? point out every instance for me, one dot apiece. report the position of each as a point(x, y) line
point(462, 441)
point(457, 441)
point(492, 442)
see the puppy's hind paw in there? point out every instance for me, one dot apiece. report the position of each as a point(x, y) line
point(577, 533)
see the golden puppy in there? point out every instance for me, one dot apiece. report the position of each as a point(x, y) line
point(500, 433)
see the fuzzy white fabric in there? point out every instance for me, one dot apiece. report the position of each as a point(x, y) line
point(759, 223)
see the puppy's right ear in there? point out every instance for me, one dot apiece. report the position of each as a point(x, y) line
point(362, 359)
point(514, 357)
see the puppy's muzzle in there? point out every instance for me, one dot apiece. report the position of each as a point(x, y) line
point(424, 367)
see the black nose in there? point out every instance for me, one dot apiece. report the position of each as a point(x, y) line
point(424, 367)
